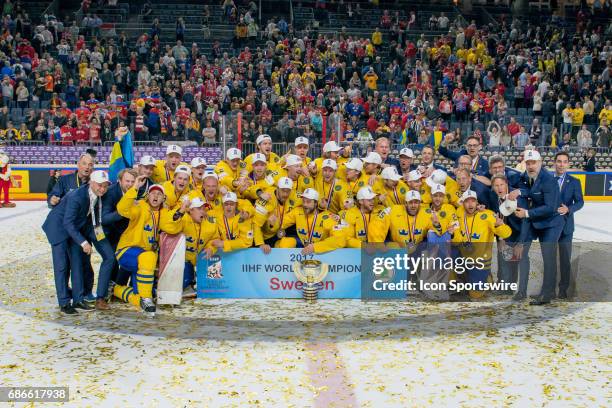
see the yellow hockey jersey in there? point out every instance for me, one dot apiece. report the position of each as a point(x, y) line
point(227, 175)
point(197, 236)
point(263, 211)
point(161, 174)
point(406, 229)
point(333, 192)
point(371, 228)
point(173, 200)
point(317, 228)
point(237, 234)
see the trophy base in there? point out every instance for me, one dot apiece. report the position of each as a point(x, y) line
point(310, 295)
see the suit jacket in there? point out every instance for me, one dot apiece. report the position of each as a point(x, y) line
point(571, 196)
point(544, 200)
point(113, 223)
point(64, 185)
point(54, 224)
point(482, 166)
point(77, 222)
point(482, 192)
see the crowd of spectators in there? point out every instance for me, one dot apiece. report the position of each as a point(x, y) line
point(70, 84)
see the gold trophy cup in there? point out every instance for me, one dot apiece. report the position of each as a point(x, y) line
point(310, 272)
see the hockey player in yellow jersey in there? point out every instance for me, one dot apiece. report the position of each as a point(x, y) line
point(440, 177)
point(200, 231)
point(366, 222)
point(237, 231)
point(264, 146)
point(415, 183)
point(409, 223)
point(164, 169)
point(301, 145)
point(332, 151)
point(213, 193)
point(330, 189)
point(372, 164)
point(293, 169)
point(261, 179)
point(177, 188)
point(315, 229)
point(139, 243)
point(439, 209)
point(232, 170)
point(355, 180)
point(270, 211)
point(475, 236)
point(391, 190)
point(198, 168)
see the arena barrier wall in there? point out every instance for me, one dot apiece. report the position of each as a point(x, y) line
point(29, 182)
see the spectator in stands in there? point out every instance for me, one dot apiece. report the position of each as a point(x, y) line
point(589, 160)
point(584, 137)
point(520, 139)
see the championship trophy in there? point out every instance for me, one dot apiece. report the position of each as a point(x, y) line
point(310, 272)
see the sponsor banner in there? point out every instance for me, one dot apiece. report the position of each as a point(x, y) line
point(250, 273)
point(20, 181)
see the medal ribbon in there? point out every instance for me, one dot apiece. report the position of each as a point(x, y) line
point(397, 200)
point(365, 223)
point(280, 210)
point(411, 228)
point(330, 194)
point(312, 227)
point(155, 221)
point(198, 229)
point(469, 231)
point(228, 231)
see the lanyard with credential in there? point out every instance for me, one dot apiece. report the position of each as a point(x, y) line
point(475, 164)
point(311, 227)
point(228, 232)
point(78, 181)
point(93, 215)
point(561, 181)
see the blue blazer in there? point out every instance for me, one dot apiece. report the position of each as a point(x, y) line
point(519, 226)
point(54, 224)
point(482, 167)
point(571, 196)
point(77, 223)
point(64, 185)
point(544, 200)
point(113, 223)
point(482, 192)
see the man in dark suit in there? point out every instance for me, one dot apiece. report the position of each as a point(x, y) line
point(83, 223)
point(72, 181)
point(68, 299)
point(472, 148)
point(497, 165)
point(113, 223)
point(514, 256)
point(571, 201)
point(542, 191)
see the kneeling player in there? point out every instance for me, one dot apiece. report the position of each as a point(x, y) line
point(200, 232)
point(315, 229)
point(138, 245)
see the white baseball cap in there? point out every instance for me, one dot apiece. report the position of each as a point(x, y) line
point(406, 152)
point(532, 155)
point(366, 193)
point(174, 149)
point(259, 157)
point(329, 163)
point(301, 140)
point(414, 175)
point(99, 176)
point(147, 161)
point(311, 193)
point(292, 160)
point(233, 153)
point(196, 203)
point(210, 174)
point(354, 164)
point(508, 207)
point(230, 196)
point(390, 173)
point(285, 182)
point(373, 157)
point(183, 169)
point(412, 195)
point(262, 138)
point(438, 188)
point(197, 162)
point(438, 176)
point(331, 147)
point(468, 194)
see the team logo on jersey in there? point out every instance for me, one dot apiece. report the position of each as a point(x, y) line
point(148, 228)
point(483, 217)
point(243, 164)
point(403, 232)
point(361, 233)
point(475, 236)
point(189, 239)
point(212, 219)
point(360, 184)
point(442, 214)
point(190, 249)
point(325, 216)
point(338, 188)
point(276, 159)
point(428, 211)
point(403, 190)
point(306, 180)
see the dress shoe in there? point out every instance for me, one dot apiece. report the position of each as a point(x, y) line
point(562, 294)
point(539, 302)
point(68, 309)
point(102, 305)
point(518, 297)
point(8, 205)
point(84, 306)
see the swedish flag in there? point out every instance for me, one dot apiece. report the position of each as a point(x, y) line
point(122, 155)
